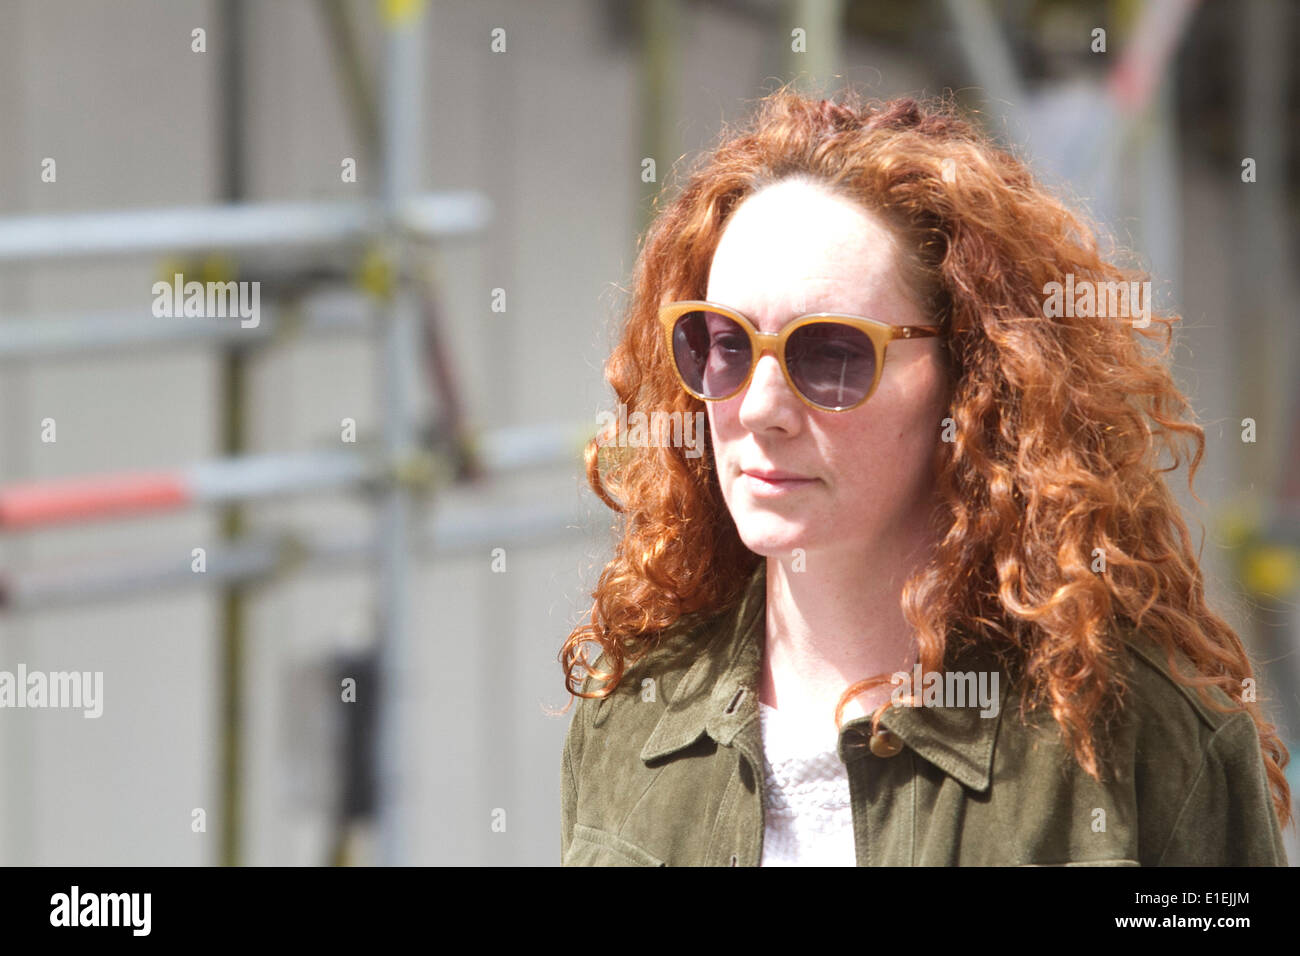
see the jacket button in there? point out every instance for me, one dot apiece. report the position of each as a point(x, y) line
point(885, 744)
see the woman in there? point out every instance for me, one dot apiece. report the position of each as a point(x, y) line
point(925, 598)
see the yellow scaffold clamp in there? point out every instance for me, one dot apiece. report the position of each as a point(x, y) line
point(400, 13)
point(1268, 568)
point(375, 273)
point(1271, 569)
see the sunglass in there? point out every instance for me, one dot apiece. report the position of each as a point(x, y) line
point(831, 361)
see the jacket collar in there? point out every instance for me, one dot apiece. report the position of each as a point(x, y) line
point(718, 696)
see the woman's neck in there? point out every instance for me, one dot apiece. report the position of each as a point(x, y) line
point(835, 618)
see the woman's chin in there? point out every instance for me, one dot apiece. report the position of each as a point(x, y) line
point(774, 542)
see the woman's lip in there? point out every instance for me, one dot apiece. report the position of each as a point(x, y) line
point(773, 486)
point(775, 476)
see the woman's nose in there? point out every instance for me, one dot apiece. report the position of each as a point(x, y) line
point(768, 393)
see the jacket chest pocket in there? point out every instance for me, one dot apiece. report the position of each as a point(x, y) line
point(593, 847)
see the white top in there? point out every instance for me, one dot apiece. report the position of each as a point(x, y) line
point(807, 816)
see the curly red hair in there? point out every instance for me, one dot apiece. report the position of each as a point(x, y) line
point(1059, 427)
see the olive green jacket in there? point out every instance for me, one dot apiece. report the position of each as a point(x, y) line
point(668, 771)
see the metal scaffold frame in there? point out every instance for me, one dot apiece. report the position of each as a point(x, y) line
point(395, 223)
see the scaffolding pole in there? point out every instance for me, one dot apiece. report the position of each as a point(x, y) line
point(264, 555)
point(237, 226)
point(244, 478)
point(232, 429)
point(126, 329)
point(402, 140)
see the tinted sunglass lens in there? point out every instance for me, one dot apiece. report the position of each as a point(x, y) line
point(832, 364)
point(712, 353)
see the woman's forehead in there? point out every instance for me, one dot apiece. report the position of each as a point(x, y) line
point(796, 240)
point(779, 288)
point(795, 217)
